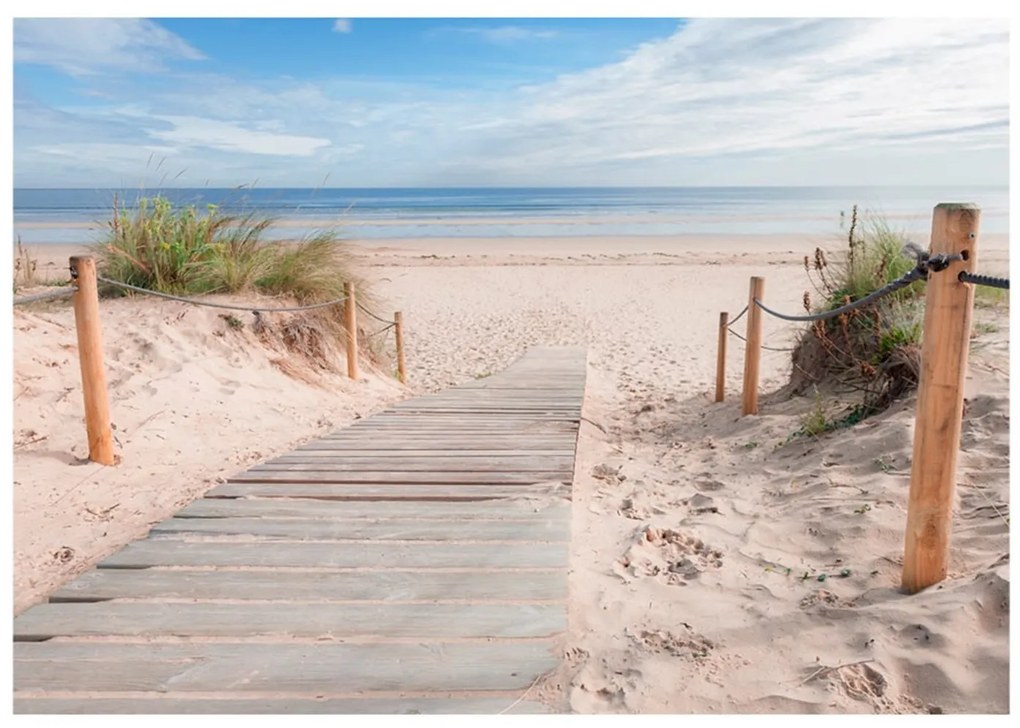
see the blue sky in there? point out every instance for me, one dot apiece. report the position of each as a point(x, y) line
point(493, 102)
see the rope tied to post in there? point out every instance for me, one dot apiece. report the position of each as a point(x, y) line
point(926, 263)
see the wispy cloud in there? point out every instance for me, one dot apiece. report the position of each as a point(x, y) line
point(717, 102)
point(82, 46)
point(342, 25)
point(193, 131)
point(502, 34)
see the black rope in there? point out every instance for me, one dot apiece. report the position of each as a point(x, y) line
point(981, 280)
point(925, 263)
point(46, 295)
point(229, 307)
point(376, 317)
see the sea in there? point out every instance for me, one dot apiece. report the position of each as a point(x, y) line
point(81, 215)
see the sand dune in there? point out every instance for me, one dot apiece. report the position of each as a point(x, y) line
point(718, 565)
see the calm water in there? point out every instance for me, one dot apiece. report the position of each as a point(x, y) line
point(42, 215)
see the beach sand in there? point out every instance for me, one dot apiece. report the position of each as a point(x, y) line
point(699, 537)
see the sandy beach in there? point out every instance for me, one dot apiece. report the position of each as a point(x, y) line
point(788, 597)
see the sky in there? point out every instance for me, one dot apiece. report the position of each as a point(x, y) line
point(358, 102)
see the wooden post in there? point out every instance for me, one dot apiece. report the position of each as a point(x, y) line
point(351, 324)
point(90, 356)
point(398, 321)
point(752, 350)
point(720, 363)
point(948, 308)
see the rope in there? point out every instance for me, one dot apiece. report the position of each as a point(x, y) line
point(981, 280)
point(383, 330)
point(925, 263)
point(229, 307)
point(739, 316)
point(46, 295)
point(377, 318)
point(762, 346)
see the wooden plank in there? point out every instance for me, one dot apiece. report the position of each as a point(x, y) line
point(301, 529)
point(503, 509)
point(393, 491)
point(429, 454)
point(235, 669)
point(326, 554)
point(342, 464)
point(293, 619)
point(385, 585)
point(433, 445)
point(368, 705)
point(425, 478)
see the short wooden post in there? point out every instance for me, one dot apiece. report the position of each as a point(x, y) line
point(948, 308)
point(351, 324)
point(90, 356)
point(720, 363)
point(398, 324)
point(752, 349)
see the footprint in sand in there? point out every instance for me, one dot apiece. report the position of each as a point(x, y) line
point(673, 556)
point(691, 646)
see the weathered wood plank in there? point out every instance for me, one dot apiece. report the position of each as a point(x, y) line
point(394, 491)
point(173, 705)
point(294, 475)
point(151, 552)
point(428, 454)
point(503, 509)
point(236, 669)
point(382, 585)
point(382, 530)
point(295, 619)
point(342, 464)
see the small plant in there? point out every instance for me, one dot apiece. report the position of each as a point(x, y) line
point(814, 422)
point(885, 466)
point(24, 267)
point(232, 321)
point(862, 510)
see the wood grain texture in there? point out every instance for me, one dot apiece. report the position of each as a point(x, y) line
point(382, 585)
point(503, 509)
point(151, 552)
point(236, 669)
point(949, 306)
point(289, 619)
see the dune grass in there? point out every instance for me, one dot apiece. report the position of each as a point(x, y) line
point(874, 351)
point(187, 252)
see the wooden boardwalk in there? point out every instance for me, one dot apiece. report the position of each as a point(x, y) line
point(414, 562)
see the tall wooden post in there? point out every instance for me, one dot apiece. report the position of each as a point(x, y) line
point(720, 363)
point(351, 324)
point(90, 356)
point(398, 325)
point(948, 308)
point(752, 350)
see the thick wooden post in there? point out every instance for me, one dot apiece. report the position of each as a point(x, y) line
point(752, 350)
point(351, 324)
point(948, 308)
point(720, 363)
point(90, 356)
point(398, 325)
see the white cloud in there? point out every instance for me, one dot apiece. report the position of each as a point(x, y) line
point(342, 25)
point(193, 131)
point(717, 102)
point(504, 34)
point(82, 46)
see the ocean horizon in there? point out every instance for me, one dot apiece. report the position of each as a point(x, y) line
point(79, 215)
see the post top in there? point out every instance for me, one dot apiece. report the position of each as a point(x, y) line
point(952, 206)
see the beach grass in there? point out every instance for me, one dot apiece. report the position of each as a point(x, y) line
point(872, 352)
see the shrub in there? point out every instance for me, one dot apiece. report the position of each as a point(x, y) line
point(872, 351)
